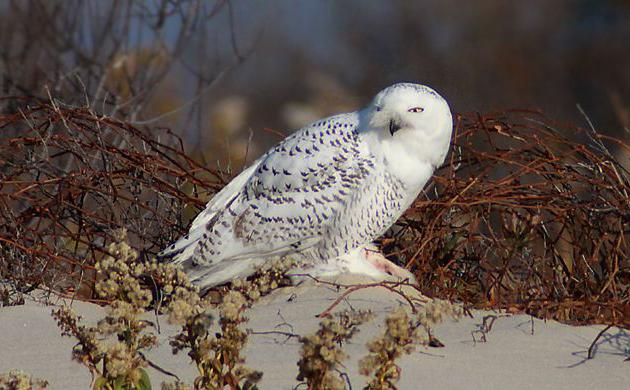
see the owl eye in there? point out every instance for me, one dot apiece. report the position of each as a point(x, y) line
point(378, 108)
point(416, 109)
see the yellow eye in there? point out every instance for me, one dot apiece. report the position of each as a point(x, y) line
point(416, 109)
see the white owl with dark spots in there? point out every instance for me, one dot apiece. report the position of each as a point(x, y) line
point(323, 194)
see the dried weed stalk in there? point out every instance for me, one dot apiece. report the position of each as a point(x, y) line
point(402, 334)
point(19, 380)
point(265, 280)
point(217, 357)
point(321, 354)
point(113, 350)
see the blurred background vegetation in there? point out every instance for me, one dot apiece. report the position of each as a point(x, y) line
point(222, 73)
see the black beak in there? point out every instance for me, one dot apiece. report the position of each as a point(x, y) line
point(393, 126)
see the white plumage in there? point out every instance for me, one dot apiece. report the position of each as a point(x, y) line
point(324, 193)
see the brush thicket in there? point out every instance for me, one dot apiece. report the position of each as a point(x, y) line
point(519, 217)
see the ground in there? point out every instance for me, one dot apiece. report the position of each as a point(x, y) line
point(519, 352)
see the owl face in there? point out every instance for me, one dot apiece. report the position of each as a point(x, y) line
point(404, 110)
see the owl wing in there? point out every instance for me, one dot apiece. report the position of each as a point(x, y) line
point(284, 202)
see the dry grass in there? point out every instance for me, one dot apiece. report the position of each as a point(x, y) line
point(519, 217)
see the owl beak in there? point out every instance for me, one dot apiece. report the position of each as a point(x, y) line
point(394, 126)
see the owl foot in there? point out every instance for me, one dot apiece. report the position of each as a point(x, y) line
point(367, 260)
point(375, 258)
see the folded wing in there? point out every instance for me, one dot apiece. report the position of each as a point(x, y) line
point(280, 205)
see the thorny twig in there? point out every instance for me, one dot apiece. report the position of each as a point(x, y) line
point(591, 348)
point(350, 288)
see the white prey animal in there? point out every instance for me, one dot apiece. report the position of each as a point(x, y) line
point(323, 194)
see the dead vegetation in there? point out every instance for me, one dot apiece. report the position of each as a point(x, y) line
point(19, 380)
point(320, 365)
point(114, 349)
point(523, 218)
point(519, 217)
point(401, 336)
point(218, 357)
point(71, 178)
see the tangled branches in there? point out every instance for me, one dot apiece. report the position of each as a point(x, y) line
point(527, 219)
point(68, 178)
point(519, 216)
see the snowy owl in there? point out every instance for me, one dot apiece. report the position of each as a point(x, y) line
point(324, 193)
